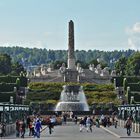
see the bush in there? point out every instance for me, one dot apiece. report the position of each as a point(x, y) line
point(134, 86)
point(51, 91)
point(7, 87)
point(5, 96)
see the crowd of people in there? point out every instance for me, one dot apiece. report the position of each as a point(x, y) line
point(34, 126)
point(86, 123)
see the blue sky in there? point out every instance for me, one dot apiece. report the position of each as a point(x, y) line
point(99, 24)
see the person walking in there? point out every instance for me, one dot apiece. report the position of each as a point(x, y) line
point(23, 126)
point(89, 123)
point(128, 126)
point(115, 122)
point(65, 118)
point(53, 122)
point(50, 125)
point(75, 119)
point(31, 128)
point(37, 128)
point(17, 128)
point(81, 124)
point(97, 122)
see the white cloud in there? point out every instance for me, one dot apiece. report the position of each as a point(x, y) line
point(136, 27)
point(134, 36)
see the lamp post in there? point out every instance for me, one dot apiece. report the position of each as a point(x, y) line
point(11, 100)
point(132, 100)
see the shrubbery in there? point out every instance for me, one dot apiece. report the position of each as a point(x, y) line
point(6, 96)
point(7, 87)
point(130, 79)
point(7, 83)
point(42, 91)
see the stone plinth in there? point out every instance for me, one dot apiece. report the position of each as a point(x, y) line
point(70, 75)
point(71, 64)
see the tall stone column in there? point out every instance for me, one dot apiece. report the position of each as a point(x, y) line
point(71, 57)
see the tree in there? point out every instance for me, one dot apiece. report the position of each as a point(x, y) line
point(82, 64)
point(5, 64)
point(95, 62)
point(133, 65)
point(58, 64)
point(17, 68)
point(121, 65)
point(51, 55)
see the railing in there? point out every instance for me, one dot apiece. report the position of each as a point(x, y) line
point(10, 112)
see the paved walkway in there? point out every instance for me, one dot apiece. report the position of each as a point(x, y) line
point(120, 132)
point(71, 132)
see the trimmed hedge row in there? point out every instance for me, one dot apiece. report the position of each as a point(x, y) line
point(97, 87)
point(7, 83)
point(7, 87)
point(59, 86)
point(130, 79)
point(42, 91)
point(8, 79)
point(12, 79)
point(5, 97)
point(134, 86)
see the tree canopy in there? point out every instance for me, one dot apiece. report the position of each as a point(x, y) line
point(9, 67)
point(34, 56)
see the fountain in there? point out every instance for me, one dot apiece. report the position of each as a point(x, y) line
point(72, 99)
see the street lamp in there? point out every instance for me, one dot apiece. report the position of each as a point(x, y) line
point(132, 100)
point(11, 100)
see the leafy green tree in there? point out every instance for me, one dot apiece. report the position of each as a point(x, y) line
point(17, 68)
point(51, 55)
point(34, 56)
point(95, 62)
point(120, 66)
point(5, 64)
point(58, 64)
point(133, 65)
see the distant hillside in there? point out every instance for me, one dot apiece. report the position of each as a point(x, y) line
point(34, 56)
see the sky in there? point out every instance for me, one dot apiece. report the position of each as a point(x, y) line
point(99, 24)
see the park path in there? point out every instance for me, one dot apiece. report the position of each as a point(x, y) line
point(70, 131)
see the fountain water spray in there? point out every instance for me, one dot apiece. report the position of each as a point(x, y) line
point(72, 99)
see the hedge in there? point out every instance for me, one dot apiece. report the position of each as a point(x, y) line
point(134, 86)
point(12, 79)
point(42, 91)
point(7, 87)
point(8, 79)
point(5, 96)
point(130, 79)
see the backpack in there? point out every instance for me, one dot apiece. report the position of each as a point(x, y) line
point(128, 123)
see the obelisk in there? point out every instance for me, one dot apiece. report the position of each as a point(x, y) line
point(71, 56)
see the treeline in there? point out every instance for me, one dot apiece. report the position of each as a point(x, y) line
point(34, 56)
point(7, 67)
point(128, 66)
